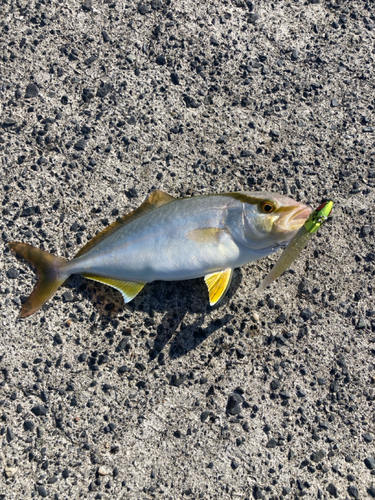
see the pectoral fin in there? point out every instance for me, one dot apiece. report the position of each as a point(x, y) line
point(129, 289)
point(218, 284)
point(205, 234)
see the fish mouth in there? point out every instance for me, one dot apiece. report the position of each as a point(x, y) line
point(293, 219)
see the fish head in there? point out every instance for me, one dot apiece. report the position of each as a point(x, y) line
point(271, 220)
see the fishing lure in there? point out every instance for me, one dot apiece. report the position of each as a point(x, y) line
point(298, 243)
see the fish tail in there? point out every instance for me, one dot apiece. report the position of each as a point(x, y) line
point(50, 271)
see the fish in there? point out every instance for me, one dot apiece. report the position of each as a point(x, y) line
point(173, 239)
point(298, 243)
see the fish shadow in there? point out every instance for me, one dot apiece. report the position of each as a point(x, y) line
point(180, 301)
point(184, 306)
point(181, 337)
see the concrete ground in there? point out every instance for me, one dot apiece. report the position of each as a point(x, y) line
point(262, 397)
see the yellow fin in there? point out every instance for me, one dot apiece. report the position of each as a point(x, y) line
point(129, 289)
point(217, 284)
point(205, 234)
point(158, 198)
point(154, 200)
point(51, 275)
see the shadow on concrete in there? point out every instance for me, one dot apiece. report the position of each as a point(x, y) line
point(184, 306)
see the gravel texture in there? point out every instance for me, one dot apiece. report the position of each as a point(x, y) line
point(263, 397)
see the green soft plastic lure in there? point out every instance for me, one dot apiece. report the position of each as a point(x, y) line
point(298, 243)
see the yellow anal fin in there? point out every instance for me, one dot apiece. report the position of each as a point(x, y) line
point(129, 289)
point(205, 234)
point(155, 200)
point(218, 284)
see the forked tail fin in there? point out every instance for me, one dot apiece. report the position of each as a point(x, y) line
point(50, 271)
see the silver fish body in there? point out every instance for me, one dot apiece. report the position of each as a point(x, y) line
point(158, 246)
point(174, 239)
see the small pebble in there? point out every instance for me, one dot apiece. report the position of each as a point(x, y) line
point(80, 145)
point(178, 379)
point(175, 78)
point(67, 296)
point(9, 434)
point(104, 90)
point(144, 9)
point(234, 464)
point(31, 91)
point(332, 490)
point(12, 273)
point(275, 384)
point(123, 343)
point(285, 394)
point(10, 472)
point(104, 470)
point(234, 404)
point(353, 491)
point(253, 17)
point(272, 443)
point(28, 425)
point(318, 456)
point(368, 437)
point(294, 55)
point(257, 492)
point(58, 339)
point(160, 60)
point(39, 410)
point(42, 491)
point(361, 323)
point(204, 415)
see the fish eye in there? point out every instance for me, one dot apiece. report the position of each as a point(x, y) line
point(267, 207)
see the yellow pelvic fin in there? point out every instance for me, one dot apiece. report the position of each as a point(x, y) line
point(205, 234)
point(129, 289)
point(155, 200)
point(218, 284)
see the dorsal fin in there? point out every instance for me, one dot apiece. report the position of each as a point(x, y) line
point(155, 200)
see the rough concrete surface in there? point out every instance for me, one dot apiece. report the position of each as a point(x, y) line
point(262, 397)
